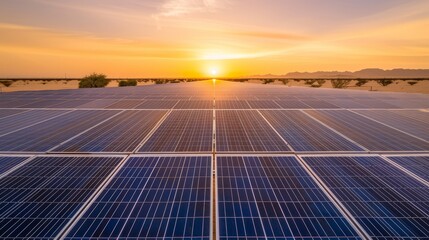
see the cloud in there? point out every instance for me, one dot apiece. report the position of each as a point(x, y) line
point(173, 8)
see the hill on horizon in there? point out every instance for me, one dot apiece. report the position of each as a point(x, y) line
point(364, 73)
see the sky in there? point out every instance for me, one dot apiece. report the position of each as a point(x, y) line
point(200, 38)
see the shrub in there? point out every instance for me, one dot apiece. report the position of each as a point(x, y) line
point(340, 83)
point(310, 81)
point(384, 82)
point(6, 83)
point(159, 81)
point(284, 81)
point(126, 83)
point(268, 81)
point(412, 83)
point(361, 82)
point(94, 81)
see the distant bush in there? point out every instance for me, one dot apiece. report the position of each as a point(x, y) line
point(126, 83)
point(384, 82)
point(310, 81)
point(284, 81)
point(159, 81)
point(268, 81)
point(361, 82)
point(412, 83)
point(320, 82)
point(340, 83)
point(94, 81)
point(175, 81)
point(6, 83)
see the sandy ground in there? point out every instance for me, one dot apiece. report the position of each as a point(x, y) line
point(27, 85)
point(396, 86)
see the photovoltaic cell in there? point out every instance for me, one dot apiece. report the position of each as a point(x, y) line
point(183, 131)
point(305, 134)
point(152, 198)
point(386, 202)
point(246, 131)
point(370, 134)
point(122, 133)
point(48, 134)
point(418, 165)
point(99, 103)
point(9, 162)
point(274, 198)
point(319, 104)
point(38, 199)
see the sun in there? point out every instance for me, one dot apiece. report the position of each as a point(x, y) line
point(214, 72)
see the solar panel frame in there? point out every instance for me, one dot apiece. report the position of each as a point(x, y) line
point(415, 164)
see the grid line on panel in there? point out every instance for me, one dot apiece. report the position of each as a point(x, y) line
point(417, 165)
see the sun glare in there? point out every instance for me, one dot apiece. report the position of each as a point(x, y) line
point(214, 72)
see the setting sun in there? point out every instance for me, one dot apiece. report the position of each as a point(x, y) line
point(214, 72)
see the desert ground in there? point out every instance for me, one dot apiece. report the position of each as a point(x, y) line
point(396, 86)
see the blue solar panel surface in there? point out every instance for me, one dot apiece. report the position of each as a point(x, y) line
point(152, 198)
point(274, 198)
point(387, 203)
point(214, 160)
point(38, 199)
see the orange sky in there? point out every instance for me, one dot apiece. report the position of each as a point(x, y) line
point(192, 38)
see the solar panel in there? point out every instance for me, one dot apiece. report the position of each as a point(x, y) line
point(274, 198)
point(263, 104)
point(194, 104)
point(9, 162)
point(152, 198)
point(38, 199)
point(48, 134)
point(419, 115)
point(305, 134)
point(26, 119)
point(319, 104)
point(292, 104)
point(99, 103)
point(125, 104)
point(368, 133)
point(419, 165)
point(386, 202)
point(183, 131)
point(9, 112)
point(122, 133)
point(157, 104)
point(246, 131)
point(409, 125)
point(232, 104)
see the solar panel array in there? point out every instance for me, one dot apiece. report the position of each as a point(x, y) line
point(214, 160)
